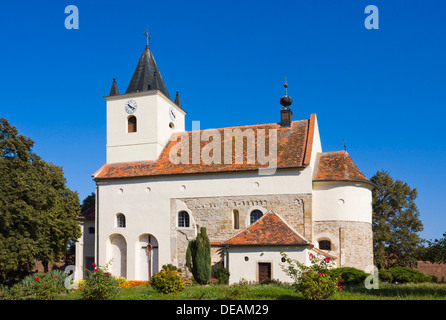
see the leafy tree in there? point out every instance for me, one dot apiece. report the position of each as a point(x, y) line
point(37, 211)
point(88, 202)
point(395, 222)
point(198, 257)
point(435, 251)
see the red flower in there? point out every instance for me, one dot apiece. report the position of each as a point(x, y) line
point(327, 259)
point(95, 270)
point(311, 256)
point(37, 278)
point(93, 264)
point(339, 280)
point(107, 274)
point(320, 274)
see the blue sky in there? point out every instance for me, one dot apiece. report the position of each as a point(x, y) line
point(382, 91)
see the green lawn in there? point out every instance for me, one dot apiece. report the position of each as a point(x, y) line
point(425, 291)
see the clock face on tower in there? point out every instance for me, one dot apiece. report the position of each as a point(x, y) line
point(172, 114)
point(130, 106)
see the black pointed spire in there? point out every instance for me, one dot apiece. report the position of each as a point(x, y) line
point(147, 75)
point(114, 88)
point(177, 100)
point(286, 115)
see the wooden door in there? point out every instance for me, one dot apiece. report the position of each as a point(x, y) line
point(264, 271)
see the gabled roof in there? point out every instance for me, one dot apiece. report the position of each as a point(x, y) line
point(147, 75)
point(337, 166)
point(294, 147)
point(269, 230)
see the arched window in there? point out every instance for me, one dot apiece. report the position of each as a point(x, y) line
point(255, 215)
point(131, 124)
point(120, 220)
point(183, 219)
point(236, 219)
point(325, 245)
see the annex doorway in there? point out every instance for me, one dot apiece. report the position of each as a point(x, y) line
point(264, 271)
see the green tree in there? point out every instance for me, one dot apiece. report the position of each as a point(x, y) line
point(88, 202)
point(435, 251)
point(37, 211)
point(198, 257)
point(395, 222)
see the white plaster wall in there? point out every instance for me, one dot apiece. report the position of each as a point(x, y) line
point(146, 204)
point(240, 269)
point(317, 145)
point(153, 131)
point(342, 201)
point(84, 248)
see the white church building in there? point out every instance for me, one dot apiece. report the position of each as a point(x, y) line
point(258, 189)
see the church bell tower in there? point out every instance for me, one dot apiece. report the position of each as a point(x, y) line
point(141, 121)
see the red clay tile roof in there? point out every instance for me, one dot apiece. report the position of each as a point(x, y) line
point(294, 145)
point(337, 166)
point(269, 230)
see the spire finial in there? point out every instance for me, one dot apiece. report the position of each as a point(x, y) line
point(286, 101)
point(148, 37)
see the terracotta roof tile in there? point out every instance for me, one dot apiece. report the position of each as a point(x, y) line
point(270, 229)
point(292, 150)
point(337, 166)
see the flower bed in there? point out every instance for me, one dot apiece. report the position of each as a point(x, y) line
point(133, 283)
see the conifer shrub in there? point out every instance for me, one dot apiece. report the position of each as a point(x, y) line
point(198, 257)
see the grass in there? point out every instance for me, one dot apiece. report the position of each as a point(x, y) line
point(424, 291)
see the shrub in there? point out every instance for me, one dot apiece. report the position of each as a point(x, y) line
point(44, 286)
point(99, 284)
point(221, 274)
point(314, 282)
point(14, 292)
point(403, 275)
point(170, 267)
point(167, 281)
point(350, 276)
point(198, 257)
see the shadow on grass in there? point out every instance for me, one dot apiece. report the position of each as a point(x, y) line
point(403, 291)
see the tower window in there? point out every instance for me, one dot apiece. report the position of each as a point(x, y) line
point(120, 220)
point(183, 219)
point(325, 245)
point(131, 124)
point(255, 215)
